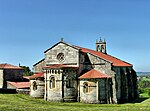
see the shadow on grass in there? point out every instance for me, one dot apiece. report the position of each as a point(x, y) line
point(138, 100)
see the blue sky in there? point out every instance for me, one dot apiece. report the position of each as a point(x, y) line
point(29, 27)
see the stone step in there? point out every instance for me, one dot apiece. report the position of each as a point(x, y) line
point(70, 98)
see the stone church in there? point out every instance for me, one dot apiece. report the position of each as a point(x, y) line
point(74, 73)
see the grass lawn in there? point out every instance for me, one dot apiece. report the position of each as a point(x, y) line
point(146, 79)
point(145, 94)
point(20, 102)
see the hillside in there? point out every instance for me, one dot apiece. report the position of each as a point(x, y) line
point(143, 73)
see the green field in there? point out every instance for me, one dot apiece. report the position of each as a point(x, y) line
point(146, 79)
point(20, 102)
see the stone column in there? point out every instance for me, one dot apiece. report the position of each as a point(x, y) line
point(62, 86)
point(126, 82)
point(118, 79)
point(45, 78)
point(114, 98)
point(107, 91)
point(97, 90)
point(126, 86)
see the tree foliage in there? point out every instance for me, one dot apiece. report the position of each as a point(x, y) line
point(144, 86)
point(26, 71)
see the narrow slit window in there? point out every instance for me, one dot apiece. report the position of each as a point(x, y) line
point(85, 87)
point(69, 83)
point(34, 86)
point(52, 82)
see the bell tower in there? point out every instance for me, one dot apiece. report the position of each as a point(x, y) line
point(101, 46)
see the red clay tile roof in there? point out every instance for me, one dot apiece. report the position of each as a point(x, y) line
point(19, 85)
point(36, 75)
point(113, 60)
point(94, 74)
point(57, 66)
point(26, 77)
point(9, 66)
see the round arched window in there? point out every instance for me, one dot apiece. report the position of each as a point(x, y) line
point(52, 82)
point(60, 57)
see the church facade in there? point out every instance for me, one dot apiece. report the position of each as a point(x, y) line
point(73, 73)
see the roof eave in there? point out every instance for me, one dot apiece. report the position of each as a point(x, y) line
point(61, 68)
point(39, 62)
point(123, 65)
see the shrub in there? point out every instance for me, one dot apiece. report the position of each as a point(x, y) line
point(149, 92)
point(141, 90)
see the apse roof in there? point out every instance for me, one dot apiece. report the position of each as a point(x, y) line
point(93, 74)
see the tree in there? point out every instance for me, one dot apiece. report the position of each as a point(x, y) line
point(26, 71)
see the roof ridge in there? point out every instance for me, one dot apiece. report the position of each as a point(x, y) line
point(5, 65)
point(9, 66)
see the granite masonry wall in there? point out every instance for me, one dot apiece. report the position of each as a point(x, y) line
point(60, 89)
point(38, 67)
point(1, 78)
point(37, 88)
point(70, 55)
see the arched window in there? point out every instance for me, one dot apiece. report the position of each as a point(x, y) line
point(52, 82)
point(85, 87)
point(34, 86)
point(69, 82)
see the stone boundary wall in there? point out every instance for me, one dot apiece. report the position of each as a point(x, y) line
point(8, 91)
